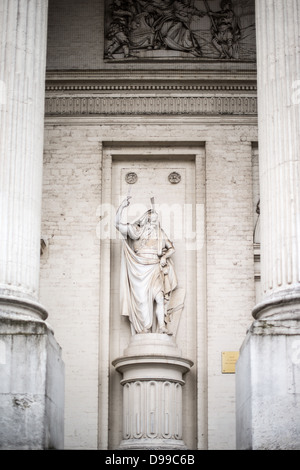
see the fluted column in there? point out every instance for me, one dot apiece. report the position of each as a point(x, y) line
point(23, 29)
point(278, 64)
point(267, 372)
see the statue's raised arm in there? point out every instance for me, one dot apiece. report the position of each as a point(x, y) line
point(118, 221)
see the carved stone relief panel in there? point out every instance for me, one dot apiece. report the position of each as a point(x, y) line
point(180, 29)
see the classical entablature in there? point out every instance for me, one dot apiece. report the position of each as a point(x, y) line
point(103, 96)
point(190, 101)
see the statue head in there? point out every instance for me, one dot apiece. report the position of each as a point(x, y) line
point(226, 5)
point(153, 217)
point(150, 217)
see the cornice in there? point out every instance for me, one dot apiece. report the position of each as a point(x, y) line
point(148, 77)
point(154, 119)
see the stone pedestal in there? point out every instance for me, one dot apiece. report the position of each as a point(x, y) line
point(31, 387)
point(152, 369)
point(268, 386)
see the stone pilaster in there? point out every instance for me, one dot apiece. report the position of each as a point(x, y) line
point(267, 373)
point(23, 26)
point(278, 64)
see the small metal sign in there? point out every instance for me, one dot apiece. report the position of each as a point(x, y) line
point(229, 360)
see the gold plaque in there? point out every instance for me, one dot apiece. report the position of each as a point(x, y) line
point(229, 359)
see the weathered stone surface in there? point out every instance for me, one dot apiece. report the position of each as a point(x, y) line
point(31, 387)
point(268, 392)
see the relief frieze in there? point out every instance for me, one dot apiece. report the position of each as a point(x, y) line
point(180, 29)
point(150, 105)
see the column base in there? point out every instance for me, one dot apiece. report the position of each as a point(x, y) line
point(268, 387)
point(282, 305)
point(31, 387)
point(12, 306)
point(152, 371)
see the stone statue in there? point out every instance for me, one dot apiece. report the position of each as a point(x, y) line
point(147, 273)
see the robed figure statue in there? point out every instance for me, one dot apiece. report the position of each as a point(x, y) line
point(147, 272)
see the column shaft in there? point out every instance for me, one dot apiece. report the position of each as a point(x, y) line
point(23, 26)
point(278, 63)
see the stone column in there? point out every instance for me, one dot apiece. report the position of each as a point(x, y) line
point(268, 371)
point(278, 69)
point(31, 369)
point(23, 25)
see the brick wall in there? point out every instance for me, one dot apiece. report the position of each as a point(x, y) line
point(75, 39)
point(230, 294)
point(70, 270)
point(70, 265)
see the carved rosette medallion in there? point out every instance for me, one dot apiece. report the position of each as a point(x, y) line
point(174, 178)
point(131, 178)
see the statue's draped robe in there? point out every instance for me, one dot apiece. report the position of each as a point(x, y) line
point(143, 278)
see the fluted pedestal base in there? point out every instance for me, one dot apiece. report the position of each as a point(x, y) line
point(152, 444)
point(31, 387)
point(268, 387)
point(152, 369)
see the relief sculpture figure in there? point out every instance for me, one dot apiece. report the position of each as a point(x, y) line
point(226, 32)
point(147, 274)
point(172, 28)
point(119, 28)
